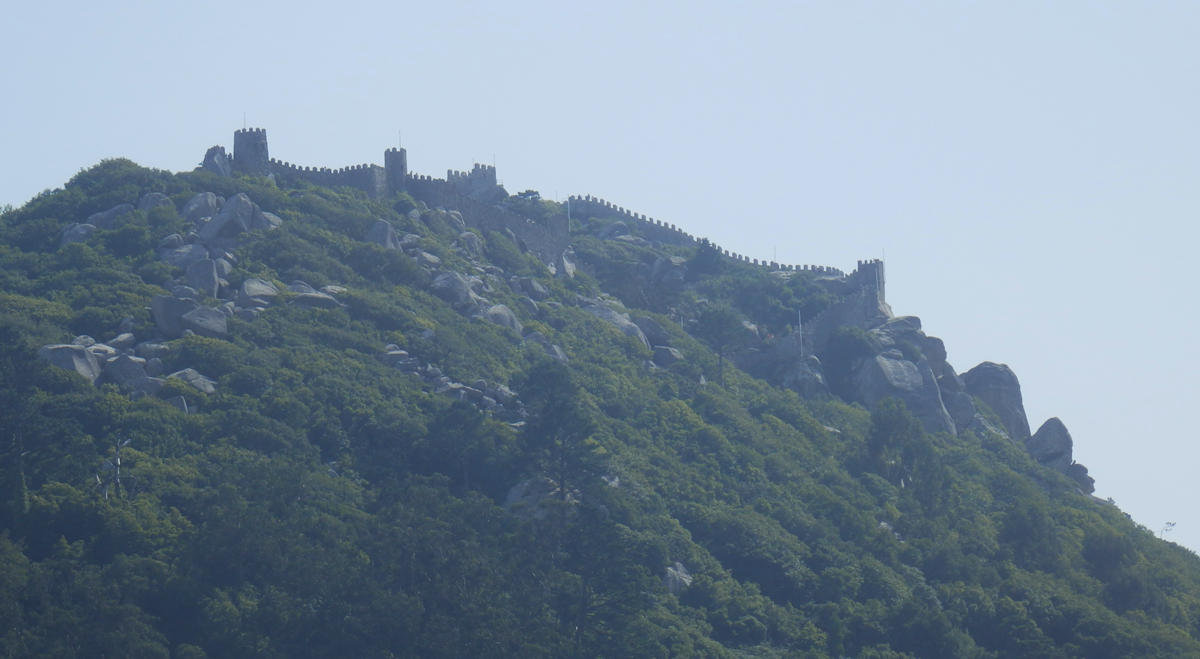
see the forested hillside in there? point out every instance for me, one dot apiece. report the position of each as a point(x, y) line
point(409, 439)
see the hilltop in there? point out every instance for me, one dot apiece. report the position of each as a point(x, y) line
point(265, 410)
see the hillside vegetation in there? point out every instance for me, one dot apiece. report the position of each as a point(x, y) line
point(324, 499)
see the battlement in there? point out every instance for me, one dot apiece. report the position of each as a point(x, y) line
point(474, 192)
point(666, 233)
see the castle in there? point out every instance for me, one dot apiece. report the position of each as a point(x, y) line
point(474, 195)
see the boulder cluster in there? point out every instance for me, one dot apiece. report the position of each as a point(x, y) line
point(135, 367)
point(467, 292)
point(910, 365)
point(492, 398)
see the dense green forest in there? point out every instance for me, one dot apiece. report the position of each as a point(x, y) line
point(320, 501)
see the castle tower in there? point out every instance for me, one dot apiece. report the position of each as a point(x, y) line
point(395, 163)
point(870, 273)
point(250, 152)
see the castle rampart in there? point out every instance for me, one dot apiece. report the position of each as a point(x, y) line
point(669, 234)
point(473, 193)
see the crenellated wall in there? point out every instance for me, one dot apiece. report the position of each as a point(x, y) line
point(371, 179)
point(472, 194)
point(652, 229)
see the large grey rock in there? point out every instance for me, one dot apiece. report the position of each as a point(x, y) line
point(315, 300)
point(123, 342)
point(381, 233)
point(677, 578)
point(197, 381)
point(202, 205)
point(428, 260)
point(151, 385)
point(256, 293)
point(236, 216)
point(300, 287)
point(108, 218)
point(150, 351)
point(503, 316)
point(619, 320)
point(187, 293)
point(533, 289)
point(949, 381)
point(960, 407)
point(167, 311)
point(551, 349)
point(126, 370)
point(881, 377)
point(154, 200)
point(182, 257)
point(1079, 474)
point(613, 230)
point(202, 276)
point(527, 498)
point(83, 340)
point(997, 385)
point(528, 306)
point(73, 358)
point(654, 332)
point(665, 356)
point(455, 220)
point(77, 233)
point(173, 241)
point(223, 268)
point(206, 322)
point(103, 353)
point(669, 271)
point(409, 241)
point(1051, 445)
point(217, 162)
point(564, 266)
point(472, 243)
point(452, 287)
point(806, 377)
point(264, 221)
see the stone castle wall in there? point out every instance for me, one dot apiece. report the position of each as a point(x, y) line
point(669, 234)
point(371, 179)
point(459, 189)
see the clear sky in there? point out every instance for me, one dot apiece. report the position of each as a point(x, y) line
point(1030, 168)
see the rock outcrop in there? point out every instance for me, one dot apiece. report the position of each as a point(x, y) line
point(381, 233)
point(997, 385)
point(890, 375)
point(217, 162)
point(107, 219)
point(619, 320)
point(201, 206)
point(1051, 445)
point(167, 311)
point(72, 357)
point(152, 200)
point(503, 316)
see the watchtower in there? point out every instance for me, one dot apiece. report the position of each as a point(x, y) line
point(870, 274)
point(395, 163)
point(250, 152)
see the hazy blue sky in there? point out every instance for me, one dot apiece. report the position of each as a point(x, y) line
point(1030, 168)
